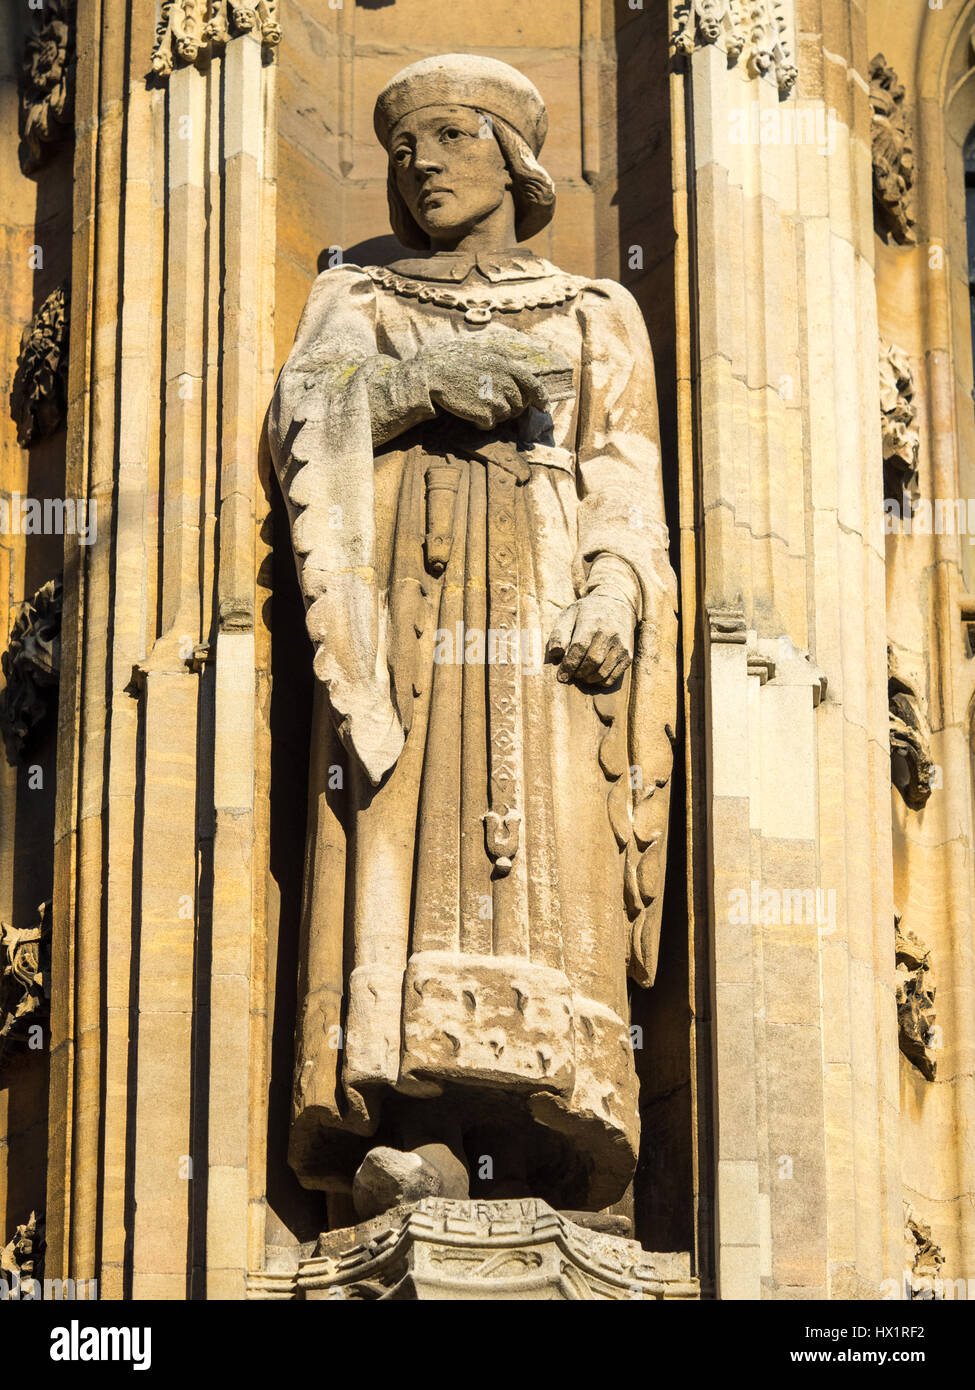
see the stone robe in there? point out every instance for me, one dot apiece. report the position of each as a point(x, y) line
point(430, 969)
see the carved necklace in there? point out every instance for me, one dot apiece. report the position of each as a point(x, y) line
point(478, 302)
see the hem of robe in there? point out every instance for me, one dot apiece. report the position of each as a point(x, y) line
point(502, 1024)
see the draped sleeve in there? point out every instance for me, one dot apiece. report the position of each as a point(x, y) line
point(321, 436)
point(621, 514)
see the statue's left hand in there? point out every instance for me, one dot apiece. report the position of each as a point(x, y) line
point(593, 640)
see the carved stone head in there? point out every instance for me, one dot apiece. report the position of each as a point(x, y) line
point(462, 133)
point(711, 14)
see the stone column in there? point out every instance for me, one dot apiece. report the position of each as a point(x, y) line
point(155, 927)
point(781, 456)
point(924, 73)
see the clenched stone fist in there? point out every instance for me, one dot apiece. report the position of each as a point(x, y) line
point(593, 640)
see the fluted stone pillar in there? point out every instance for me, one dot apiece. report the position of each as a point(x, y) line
point(781, 468)
point(156, 1031)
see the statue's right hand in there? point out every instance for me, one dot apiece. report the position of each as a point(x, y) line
point(481, 383)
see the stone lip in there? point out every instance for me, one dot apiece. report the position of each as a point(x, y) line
point(442, 1248)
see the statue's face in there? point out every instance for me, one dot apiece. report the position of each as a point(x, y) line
point(449, 169)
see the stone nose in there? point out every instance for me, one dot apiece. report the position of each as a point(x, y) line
point(428, 157)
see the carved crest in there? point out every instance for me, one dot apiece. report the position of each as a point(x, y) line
point(188, 29)
point(39, 398)
point(916, 1015)
point(901, 441)
point(439, 1248)
point(31, 665)
point(893, 154)
point(47, 85)
point(751, 30)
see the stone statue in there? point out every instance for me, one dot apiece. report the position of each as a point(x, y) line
point(467, 444)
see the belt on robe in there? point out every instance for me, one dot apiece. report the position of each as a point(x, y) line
point(507, 466)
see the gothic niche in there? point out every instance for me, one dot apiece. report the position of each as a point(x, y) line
point(22, 1258)
point(753, 28)
point(901, 441)
point(911, 767)
point(505, 1035)
point(185, 31)
point(31, 665)
point(25, 979)
point(47, 85)
point(893, 154)
point(39, 399)
point(924, 1259)
point(915, 1001)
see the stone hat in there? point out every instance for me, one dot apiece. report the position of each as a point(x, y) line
point(464, 79)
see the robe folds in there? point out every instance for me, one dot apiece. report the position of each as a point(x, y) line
point(486, 845)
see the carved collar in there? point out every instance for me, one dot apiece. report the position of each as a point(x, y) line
point(460, 280)
point(497, 267)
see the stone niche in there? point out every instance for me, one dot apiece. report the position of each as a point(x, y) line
point(609, 152)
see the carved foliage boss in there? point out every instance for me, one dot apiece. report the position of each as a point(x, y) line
point(901, 441)
point(924, 1259)
point(47, 84)
point(912, 767)
point(893, 153)
point(39, 398)
point(915, 1002)
point(25, 978)
point(31, 666)
point(21, 1259)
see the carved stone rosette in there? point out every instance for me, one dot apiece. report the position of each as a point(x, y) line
point(39, 399)
point(752, 31)
point(923, 1260)
point(31, 665)
point(189, 29)
point(901, 441)
point(893, 154)
point(911, 765)
point(47, 85)
point(22, 1258)
point(441, 1248)
point(915, 1002)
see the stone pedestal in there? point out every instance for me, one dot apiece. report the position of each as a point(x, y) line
point(518, 1249)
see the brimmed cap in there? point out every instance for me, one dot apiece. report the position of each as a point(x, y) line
point(464, 79)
